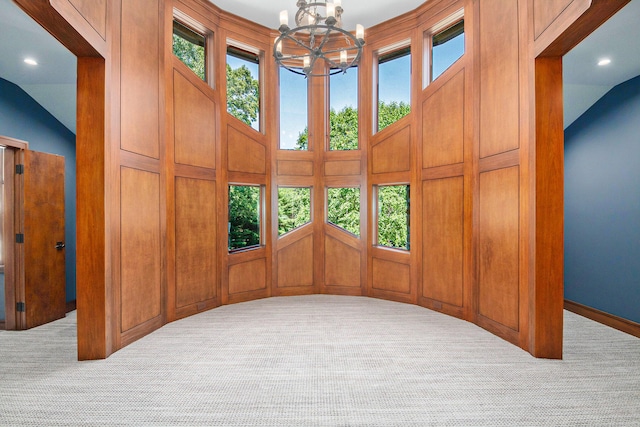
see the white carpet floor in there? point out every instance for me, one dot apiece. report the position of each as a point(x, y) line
point(320, 361)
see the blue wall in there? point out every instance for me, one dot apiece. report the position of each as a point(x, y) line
point(602, 204)
point(23, 118)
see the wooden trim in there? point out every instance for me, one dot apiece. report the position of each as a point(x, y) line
point(615, 322)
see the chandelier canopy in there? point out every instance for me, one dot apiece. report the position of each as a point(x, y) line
point(318, 36)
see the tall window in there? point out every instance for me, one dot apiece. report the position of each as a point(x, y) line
point(394, 86)
point(294, 208)
point(343, 208)
point(190, 47)
point(393, 216)
point(343, 110)
point(293, 111)
point(243, 86)
point(244, 216)
point(447, 46)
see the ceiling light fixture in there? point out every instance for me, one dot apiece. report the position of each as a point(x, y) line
point(30, 61)
point(604, 61)
point(317, 37)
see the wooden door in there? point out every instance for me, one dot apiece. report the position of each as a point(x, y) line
point(44, 253)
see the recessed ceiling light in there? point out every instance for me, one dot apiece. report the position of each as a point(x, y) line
point(30, 61)
point(604, 61)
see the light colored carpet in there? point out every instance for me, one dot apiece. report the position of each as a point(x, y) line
point(320, 361)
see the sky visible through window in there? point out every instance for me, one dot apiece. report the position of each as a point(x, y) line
point(293, 108)
point(394, 80)
point(444, 55)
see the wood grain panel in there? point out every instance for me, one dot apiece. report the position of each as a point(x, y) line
point(140, 99)
point(442, 243)
point(295, 168)
point(499, 91)
point(392, 154)
point(295, 264)
point(498, 284)
point(342, 168)
point(341, 264)
point(244, 153)
point(140, 295)
point(195, 260)
point(248, 276)
point(194, 124)
point(391, 276)
point(443, 124)
point(95, 12)
point(545, 12)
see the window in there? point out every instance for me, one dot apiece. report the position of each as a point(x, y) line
point(447, 46)
point(190, 47)
point(243, 86)
point(294, 208)
point(343, 110)
point(343, 208)
point(393, 216)
point(2, 213)
point(394, 86)
point(293, 111)
point(244, 216)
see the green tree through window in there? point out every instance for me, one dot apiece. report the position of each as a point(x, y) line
point(294, 208)
point(189, 47)
point(244, 216)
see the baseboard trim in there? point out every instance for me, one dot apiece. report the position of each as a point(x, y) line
point(615, 322)
point(71, 305)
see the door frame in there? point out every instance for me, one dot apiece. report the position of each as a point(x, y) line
point(12, 223)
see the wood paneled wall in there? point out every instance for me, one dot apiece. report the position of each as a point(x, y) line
point(480, 149)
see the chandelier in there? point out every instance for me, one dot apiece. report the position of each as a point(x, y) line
point(318, 36)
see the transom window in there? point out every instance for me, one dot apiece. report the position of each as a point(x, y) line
point(190, 48)
point(394, 86)
point(243, 86)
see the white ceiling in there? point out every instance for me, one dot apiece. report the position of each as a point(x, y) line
point(52, 83)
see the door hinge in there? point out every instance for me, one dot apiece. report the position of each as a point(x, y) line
point(21, 307)
point(19, 169)
point(19, 238)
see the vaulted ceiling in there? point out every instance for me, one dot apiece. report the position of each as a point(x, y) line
point(52, 82)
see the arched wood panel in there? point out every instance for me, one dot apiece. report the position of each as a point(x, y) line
point(194, 124)
point(94, 12)
point(245, 154)
point(443, 124)
point(341, 262)
point(392, 151)
point(391, 277)
point(295, 265)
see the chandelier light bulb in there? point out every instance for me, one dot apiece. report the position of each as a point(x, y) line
point(359, 32)
point(306, 61)
point(331, 10)
point(284, 18)
point(343, 57)
point(337, 3)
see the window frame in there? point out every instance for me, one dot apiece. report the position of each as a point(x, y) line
point(446, 24)
point(328, 148)
point(376, 212)
point(261, 218)
point(277, 221)
point(250, 54)
point(326, 201)
point(196, 27)
point(389, 53)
